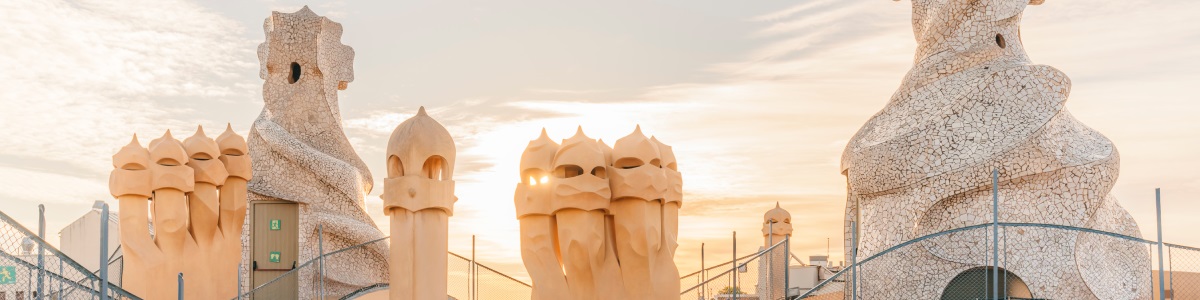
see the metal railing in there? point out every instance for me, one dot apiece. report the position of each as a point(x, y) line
point(879, 278)
point(762, 275)
point(466, 279)
point(31, 268)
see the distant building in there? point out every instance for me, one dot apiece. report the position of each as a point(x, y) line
point(81, 241)
point(18, 274)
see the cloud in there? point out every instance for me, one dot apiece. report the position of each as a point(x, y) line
point(762, 126)
point(85, 75)
point(82, 76)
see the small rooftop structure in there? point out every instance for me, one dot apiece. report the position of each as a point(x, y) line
point(80, 240)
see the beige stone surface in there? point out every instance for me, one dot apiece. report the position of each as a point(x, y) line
point(301, 154)
point(776, 226)
point(533, 200)
point(974, 102)
point(613, 211)
point(418, 196)
point(196, 213)
point(235, 156)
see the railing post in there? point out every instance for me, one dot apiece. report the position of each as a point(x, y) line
point(470, 262)
point(770, 260)
point(104, 251)
point(180, 286)
point(734, 273)
point(787, 269)
point(995, 233)
point(60, 279)
point(239, 280)
point(321, 257)
point(41, 256)
point(474, 271)
point(1162, 287)
point(854, 260)
point(703, 274)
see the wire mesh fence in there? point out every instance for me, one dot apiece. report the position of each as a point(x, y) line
point(986, 261)
point(466, 280)
point(471, 280)
point(29, 265)
point(758, 276)
point(493, 285)
point(1181, 276)
point(460, 270)
point(699, 278)
point(287, 286)
point(1009, 261)
point(116, 268)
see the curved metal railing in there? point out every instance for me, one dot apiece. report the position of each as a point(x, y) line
point(839, 276)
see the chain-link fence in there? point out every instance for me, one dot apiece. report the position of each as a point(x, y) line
point(475, 281)
point(493, 285)
point(1181, 276)
point(983, 262)
point(759, 276)
point(286, 285)
point(465, 281)
point(28, 265)
point(695, 284)
point(460, 270)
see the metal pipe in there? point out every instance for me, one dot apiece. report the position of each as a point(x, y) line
point(180, 285)
point(734, 273)
point(239, 280)
point(104, 251)
point(60, 280)
point(321, 262)
point(1162, 287)
point(787, 248)
point(469, 263)
point(41, 256)
point(854, 260)
point(474, 271)
point(770, 259)
point(995, 233)
point(703, 274)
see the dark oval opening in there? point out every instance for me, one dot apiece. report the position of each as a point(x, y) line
point(628, 163)
point(1000, 41)
point(295, 75)
point(168, 162)
point(133, 166)
point(600, 172)
point(977, 283)
point(568, 171)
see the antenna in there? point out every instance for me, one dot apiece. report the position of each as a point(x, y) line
point(826, 247)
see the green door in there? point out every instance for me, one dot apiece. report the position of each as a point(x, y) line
point(274, 249)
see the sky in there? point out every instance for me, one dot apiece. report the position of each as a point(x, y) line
point(758, 98)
